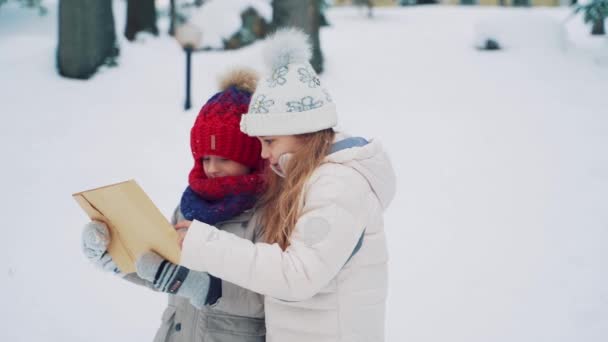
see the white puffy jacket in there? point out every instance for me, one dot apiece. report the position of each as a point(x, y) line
point(315, 290)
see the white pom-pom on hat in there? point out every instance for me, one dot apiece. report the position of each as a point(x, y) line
point(287, 46)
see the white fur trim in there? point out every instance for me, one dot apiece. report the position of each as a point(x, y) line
point(290, 123)
point(287, 46)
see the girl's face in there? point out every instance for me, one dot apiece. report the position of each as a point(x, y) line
point(215, 166)
point(275, 146)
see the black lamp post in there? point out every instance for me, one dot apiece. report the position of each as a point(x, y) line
point(188, 50)
point(189, 37)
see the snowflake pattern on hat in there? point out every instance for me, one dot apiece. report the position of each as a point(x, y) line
point(306, 103)
point(309, 77)
point(261, 104)
point(278, 77)
point(291, 98)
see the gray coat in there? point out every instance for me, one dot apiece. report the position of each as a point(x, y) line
point(237, 316)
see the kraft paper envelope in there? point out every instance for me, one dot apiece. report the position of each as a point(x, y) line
point(135, 223)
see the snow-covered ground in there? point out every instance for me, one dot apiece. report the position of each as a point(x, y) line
point(499, 231)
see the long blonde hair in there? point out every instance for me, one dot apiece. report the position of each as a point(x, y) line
point(280, 204)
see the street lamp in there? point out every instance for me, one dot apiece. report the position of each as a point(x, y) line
point(189, 37)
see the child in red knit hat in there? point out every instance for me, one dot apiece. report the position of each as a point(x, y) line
point(224, 185)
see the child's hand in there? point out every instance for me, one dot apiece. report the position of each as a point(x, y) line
point(168, 277)
point(95, 241)
point(182, 229)
point(183, 224)
point(181, 235)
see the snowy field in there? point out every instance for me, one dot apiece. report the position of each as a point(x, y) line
point(499, 231)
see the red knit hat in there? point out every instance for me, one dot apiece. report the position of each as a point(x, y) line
point(216, 130)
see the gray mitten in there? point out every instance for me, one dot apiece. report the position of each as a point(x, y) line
point(95, 241)
point(175, 279)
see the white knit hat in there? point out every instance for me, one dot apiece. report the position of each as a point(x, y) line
point(291, 99)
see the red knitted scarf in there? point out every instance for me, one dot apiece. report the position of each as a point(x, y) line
point(213, 189)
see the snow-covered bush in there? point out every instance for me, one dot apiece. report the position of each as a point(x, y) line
point(594, 13)
point(221, 20)
point(30, 4)
point(524, 30)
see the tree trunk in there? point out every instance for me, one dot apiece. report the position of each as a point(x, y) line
point(141, 16)
point(598, 27)
point(303, 14)
point(87, 38)
point(172, 18)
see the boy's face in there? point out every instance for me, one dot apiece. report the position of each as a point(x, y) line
point(215, 166)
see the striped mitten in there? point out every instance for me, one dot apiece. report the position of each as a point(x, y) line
point(175, 279)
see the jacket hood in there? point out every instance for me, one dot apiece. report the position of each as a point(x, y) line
point(370, 160)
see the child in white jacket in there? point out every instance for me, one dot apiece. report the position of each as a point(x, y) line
point(323, 265)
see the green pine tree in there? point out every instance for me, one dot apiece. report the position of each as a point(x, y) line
point(595, 13)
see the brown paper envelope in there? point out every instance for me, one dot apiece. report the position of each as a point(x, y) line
point(136, 225)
